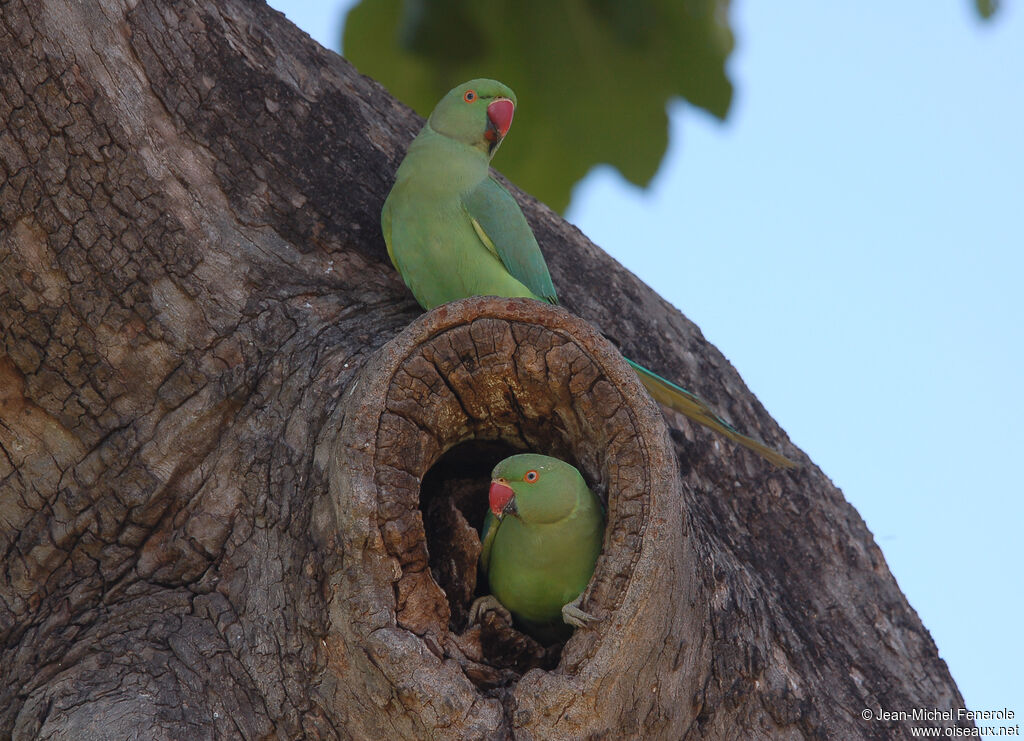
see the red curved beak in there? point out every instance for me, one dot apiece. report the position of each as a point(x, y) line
point(500, 113)
point(500, 495)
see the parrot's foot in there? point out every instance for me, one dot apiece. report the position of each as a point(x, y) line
point(488, 604)
point(574, 616)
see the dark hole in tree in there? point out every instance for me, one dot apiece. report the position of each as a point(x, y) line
point(453, 500)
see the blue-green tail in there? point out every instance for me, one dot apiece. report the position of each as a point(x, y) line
point(684, 402)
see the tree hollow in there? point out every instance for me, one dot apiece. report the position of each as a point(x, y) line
point(478, 379)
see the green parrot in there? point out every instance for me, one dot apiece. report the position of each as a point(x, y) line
point(452, 231)
point(541, 539)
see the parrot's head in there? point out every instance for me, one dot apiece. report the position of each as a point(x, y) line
point(535, 488)
point(477, 113)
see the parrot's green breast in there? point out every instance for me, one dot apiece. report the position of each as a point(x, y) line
point(438, 252)
point(534, 570)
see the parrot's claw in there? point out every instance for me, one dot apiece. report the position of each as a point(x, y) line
point(488, 604)
point(574, 616)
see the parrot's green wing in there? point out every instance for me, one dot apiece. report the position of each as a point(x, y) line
point(385, 227)
point(490, 529)
point(501, 226)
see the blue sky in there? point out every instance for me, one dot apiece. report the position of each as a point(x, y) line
point(851, 239)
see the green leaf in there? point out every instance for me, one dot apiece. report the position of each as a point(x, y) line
point(986, 8)
point(593, 77)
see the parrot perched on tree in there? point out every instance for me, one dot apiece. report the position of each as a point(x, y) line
point(541, 539)
point(452, 231)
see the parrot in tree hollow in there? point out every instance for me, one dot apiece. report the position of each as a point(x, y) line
point(452, 231)
point(541, 539)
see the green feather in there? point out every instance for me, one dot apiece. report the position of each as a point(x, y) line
point(502, 228)
point(487, 534)
point(693, 407)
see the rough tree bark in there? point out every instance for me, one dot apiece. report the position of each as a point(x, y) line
point(210, 459)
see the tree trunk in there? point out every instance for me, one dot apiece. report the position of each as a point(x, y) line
point(239, 474)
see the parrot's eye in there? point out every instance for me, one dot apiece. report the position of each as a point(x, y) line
point(531, 476)
point(470, 96)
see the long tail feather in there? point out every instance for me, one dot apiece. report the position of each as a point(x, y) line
point(684, 402)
